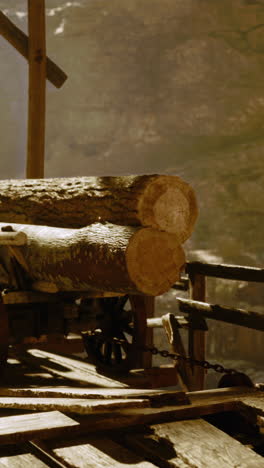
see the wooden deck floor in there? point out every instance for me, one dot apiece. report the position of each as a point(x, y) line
point(56, 411)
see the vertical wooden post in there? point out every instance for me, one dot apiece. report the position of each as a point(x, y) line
point(197, 338)
point(37, 88)
point(143, 308)
point(4, 334)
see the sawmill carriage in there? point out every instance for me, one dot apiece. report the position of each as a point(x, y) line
point(81, 263)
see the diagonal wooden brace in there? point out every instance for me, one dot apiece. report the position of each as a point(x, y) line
point(19, 40)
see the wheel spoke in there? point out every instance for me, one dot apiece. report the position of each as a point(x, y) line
point(107, 352)
point(117, 353)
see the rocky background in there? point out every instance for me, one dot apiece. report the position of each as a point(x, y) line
point(171, 86)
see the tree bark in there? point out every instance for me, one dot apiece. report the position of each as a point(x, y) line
point(102, 257)
point(163, 202)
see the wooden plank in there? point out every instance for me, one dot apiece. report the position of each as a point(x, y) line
point(14, 429)
point(19, 40)
point(197, 337)
point(156, 397)
point(69, 367)
point(72, 405)
point(202, 403)
point(193, 443)
point(101, 452)
point(252, 406)
point(37, 88)
point(19, 457)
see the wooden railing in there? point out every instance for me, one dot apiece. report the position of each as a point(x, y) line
point(198, 309)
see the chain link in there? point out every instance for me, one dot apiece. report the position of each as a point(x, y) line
point(179, 357)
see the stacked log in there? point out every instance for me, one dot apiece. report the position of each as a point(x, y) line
point(100, 257)
point(120, 234)
point(162, 202)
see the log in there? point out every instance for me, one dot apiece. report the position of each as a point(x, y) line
point(19, 40)
point(163, 202)
point(103, 257)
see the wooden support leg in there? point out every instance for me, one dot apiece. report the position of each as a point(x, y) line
point(143, 308)
point(197, 336)
point(4, 333)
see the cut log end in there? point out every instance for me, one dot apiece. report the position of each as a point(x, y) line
point(154, 260)
point(169, 204)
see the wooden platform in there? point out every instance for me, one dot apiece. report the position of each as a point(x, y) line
point(56, 411)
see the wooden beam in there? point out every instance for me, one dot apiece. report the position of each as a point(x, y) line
point(232, 272)
point(244, 318)
point(37, 88)
point(19, 40)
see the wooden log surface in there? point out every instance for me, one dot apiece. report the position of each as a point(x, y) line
point(244, 318)
point(19, 40)
point(102, 257)
point(163, 202)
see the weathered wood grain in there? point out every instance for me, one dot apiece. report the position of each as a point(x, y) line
point(252, 407)
point(22, 459)
point(193, 443)
point(23, 427)
point(156, 397)
point(71, 368)
point(103, 452)
point(202, 403)
point(72, 405)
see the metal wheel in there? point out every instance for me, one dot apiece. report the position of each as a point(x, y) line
point(109, 342)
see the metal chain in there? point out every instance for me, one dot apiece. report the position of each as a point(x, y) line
point(179, 357)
